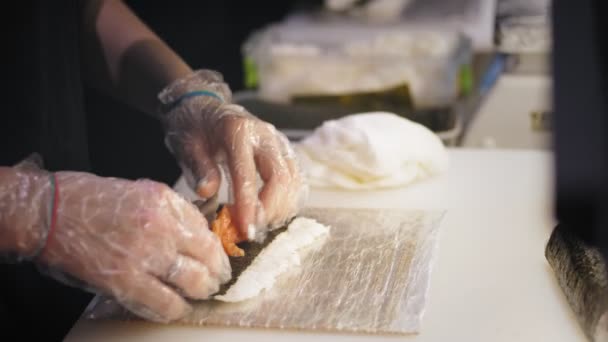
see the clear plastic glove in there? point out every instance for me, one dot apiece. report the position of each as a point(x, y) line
point(205, 133)
point(137, 241)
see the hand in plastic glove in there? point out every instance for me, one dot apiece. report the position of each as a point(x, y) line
point(205, 131)
point(135, 240)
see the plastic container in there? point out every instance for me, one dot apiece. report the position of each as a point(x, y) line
point(332, 57)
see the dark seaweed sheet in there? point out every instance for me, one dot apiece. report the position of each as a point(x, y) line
point(252, 249)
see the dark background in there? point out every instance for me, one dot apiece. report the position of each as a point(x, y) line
point(207, 34)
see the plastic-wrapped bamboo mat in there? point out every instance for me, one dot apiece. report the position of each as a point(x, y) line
point(371, 274)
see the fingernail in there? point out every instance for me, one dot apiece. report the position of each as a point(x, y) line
point(250, 232)
point(201, 187)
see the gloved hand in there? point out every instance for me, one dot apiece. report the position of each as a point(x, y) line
point(135, 240)
point(205, 132)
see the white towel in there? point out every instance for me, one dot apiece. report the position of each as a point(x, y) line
point(371, 151)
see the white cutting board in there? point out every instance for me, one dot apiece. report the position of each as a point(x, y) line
point(490, 281)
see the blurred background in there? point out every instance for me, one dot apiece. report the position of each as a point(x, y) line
point(454, 66)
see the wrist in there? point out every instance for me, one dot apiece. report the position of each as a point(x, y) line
point(201, 84)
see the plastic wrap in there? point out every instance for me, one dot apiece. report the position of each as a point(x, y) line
point(370, 275)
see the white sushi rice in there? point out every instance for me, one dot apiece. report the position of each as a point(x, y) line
point(278, 257)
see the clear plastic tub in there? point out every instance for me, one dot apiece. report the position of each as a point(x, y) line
point(335, 57)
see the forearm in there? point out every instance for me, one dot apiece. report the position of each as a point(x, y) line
point(24, 200)
point(123, 57)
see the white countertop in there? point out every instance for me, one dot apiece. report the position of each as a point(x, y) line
point(490, 281)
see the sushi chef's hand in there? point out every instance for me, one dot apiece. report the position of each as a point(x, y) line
point(205, 132)
point(137, 241)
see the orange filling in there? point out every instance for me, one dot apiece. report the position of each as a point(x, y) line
point(229, 235)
